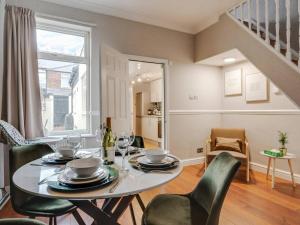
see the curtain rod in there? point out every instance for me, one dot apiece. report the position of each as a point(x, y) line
point(78, 22)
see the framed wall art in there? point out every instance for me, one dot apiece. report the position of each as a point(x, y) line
point(256, 87)
point(233, 82)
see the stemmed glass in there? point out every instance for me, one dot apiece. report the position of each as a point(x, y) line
point(99, 134)
point(123, 142)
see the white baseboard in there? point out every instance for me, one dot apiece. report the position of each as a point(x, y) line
point(253, 165)
point(278, 172)
point(193, 161)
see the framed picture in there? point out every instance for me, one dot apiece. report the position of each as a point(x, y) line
point(256, 87)
point(233, 82)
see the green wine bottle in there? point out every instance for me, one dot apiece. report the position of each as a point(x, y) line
point(108, 144)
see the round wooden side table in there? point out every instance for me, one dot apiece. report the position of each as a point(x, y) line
point(288, 157)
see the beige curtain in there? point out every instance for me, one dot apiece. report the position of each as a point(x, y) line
point(21, 104)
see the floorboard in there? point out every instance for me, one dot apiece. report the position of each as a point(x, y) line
point(255, 203)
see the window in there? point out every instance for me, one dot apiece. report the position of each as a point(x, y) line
point(64, 76)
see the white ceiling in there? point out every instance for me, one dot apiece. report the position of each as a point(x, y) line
point(190, 16)
point(218, 60)
point(146, 71)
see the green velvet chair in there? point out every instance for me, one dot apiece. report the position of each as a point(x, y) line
point(200, 207)
point(138, 142)
point(30, 205)
point(14, 221)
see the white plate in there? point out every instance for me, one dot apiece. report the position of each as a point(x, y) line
point(166, 161)
point(56, 156)
point(73, 176)
point(68, 177)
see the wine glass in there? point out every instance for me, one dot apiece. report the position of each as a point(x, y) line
point(124, 140)
point(76, 141)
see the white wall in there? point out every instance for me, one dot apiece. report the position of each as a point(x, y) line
point(197, 88)
point(262, 126)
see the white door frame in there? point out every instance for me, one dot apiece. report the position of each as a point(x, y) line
point(166, 82)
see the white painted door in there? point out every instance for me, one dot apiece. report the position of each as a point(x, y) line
point(115, 89)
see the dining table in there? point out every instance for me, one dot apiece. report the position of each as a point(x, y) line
point(127, 187)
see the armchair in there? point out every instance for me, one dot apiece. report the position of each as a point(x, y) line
point(232, 133)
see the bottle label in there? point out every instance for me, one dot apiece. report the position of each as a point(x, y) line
point(110, 154)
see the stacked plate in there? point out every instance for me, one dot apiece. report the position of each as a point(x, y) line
point(142, 162)
point(69, 181)
point(56, 158)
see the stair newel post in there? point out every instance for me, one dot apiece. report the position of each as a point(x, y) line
point(299, 32)
point(277, 44)
point(249, 14)
point(267, 39)
point(257, 18)
point(288, 29)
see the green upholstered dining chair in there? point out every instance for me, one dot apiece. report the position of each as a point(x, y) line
point(13, 221)
point(200, 207)
point(29, 205)
point(138, 142)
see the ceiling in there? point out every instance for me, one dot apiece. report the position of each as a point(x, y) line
point(218, 60)
point(190, 16)
point(145, 71)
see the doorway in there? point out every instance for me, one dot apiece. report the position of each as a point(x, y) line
point(148, 101)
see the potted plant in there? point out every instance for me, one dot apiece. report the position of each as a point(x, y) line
point(283, 140)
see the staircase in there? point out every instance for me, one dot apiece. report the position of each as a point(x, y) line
point(271, 21)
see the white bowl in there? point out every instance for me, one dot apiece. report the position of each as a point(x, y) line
point(66, 151)
point(155, 155)
point(84, 167)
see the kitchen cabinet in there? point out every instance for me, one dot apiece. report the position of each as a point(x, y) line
point(156, 88)
point(150, 127)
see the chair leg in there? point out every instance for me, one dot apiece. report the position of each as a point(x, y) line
point(132, 214)
point(248, 171)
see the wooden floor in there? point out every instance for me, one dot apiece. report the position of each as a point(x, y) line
point(255, 203)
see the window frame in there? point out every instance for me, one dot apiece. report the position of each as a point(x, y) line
point(71, 29)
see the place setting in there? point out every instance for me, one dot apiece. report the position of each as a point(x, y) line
point(66, 151)
point(82, 175)
point(154, 160)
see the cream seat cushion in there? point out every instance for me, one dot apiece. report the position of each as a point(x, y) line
point(234, 154)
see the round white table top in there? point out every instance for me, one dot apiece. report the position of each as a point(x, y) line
point(287, 156)
point(134, 182)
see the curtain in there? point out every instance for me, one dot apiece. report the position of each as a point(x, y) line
point(21, 103)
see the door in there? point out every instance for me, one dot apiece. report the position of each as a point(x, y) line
point(115, 89)
point(61, 109)
point(138, 113)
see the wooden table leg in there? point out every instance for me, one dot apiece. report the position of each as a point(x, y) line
point(273, 173)
point(292, 173)
point(268, 169)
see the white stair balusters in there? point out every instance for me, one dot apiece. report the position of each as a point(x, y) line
point(267, 36)
point(257, 18)
point(277, 44)
point(255, 15)
point(288, 29)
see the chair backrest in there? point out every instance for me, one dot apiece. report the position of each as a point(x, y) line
point(213, 186)
point(138, 142)
point(11, 134)
point(228, 133)
point(19, 156)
